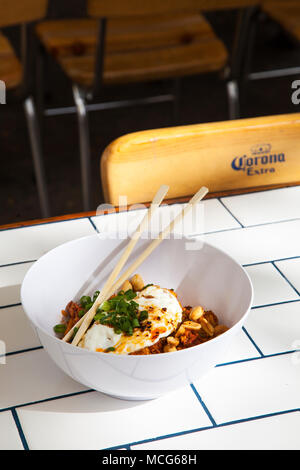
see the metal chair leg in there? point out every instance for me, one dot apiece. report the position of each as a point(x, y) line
point(40, 80)
point(240, 60)
point(85, 149)
point(233, 99)
point(36, 148)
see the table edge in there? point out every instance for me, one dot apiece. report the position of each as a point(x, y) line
point(179, 200)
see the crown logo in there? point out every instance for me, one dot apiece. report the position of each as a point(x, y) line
point(260, 149)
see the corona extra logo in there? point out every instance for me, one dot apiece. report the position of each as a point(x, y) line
point(260, 161)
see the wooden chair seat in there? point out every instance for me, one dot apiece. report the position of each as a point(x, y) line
point(10, 66)
point(136, 49)
point(286, 13)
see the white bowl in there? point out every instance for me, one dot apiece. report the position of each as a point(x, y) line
point(207, 277)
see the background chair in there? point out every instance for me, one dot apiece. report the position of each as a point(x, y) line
point(16, 73)
point(285, 13)
point(227, 157)
point(133, 41)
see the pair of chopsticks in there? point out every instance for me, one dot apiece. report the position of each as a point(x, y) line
point(111, 284)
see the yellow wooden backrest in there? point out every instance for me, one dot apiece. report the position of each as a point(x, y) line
point(223, 156)
point(13, 12)
point(115, 8)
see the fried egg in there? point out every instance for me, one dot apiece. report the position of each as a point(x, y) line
point(164, 314)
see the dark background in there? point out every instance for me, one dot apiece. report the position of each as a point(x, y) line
point(203, 99)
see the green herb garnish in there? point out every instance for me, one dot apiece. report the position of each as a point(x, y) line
point(143, 315)
point(121, 313)
point(61, 328)
point(74, 332)
point(129, 294)
point(96, 295)
point(110, 349)
point(86, 302)
point(147, 285)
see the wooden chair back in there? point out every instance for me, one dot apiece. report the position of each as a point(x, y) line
point(13, 12)
point(118, 8)
point(227, 157)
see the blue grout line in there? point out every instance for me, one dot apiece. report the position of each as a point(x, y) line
point(13, 410)
point(94, 226)
point(254, 418)
point(184, 432)
point(69, 395)
point(261, 191)
point(104, 215)
point(252, 341)
point(159, 438)
point(44, 400)
point(20, 430)
point(10, 305)
point(228, 210)
point(204, 428)
point(271, 261)
point(17, 263)
point(203, 405)
point(240, 361)
point(259, 224)
point(242, 227)
point(192, 235)
point(275, 303)
point(255, 358)
point(169, 205)
point(211, 232)
point(284, 277)
point(43, 223)
point(21, 351)
point(273, 222)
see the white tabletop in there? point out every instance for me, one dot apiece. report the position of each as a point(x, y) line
point(249, 401)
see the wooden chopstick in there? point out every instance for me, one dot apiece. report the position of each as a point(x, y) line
point(162, 235)
point(158, 198)
point(195, 199)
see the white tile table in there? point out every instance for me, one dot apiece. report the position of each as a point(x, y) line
point(251, 400)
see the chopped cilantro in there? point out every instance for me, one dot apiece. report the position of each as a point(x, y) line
point(121, 313)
